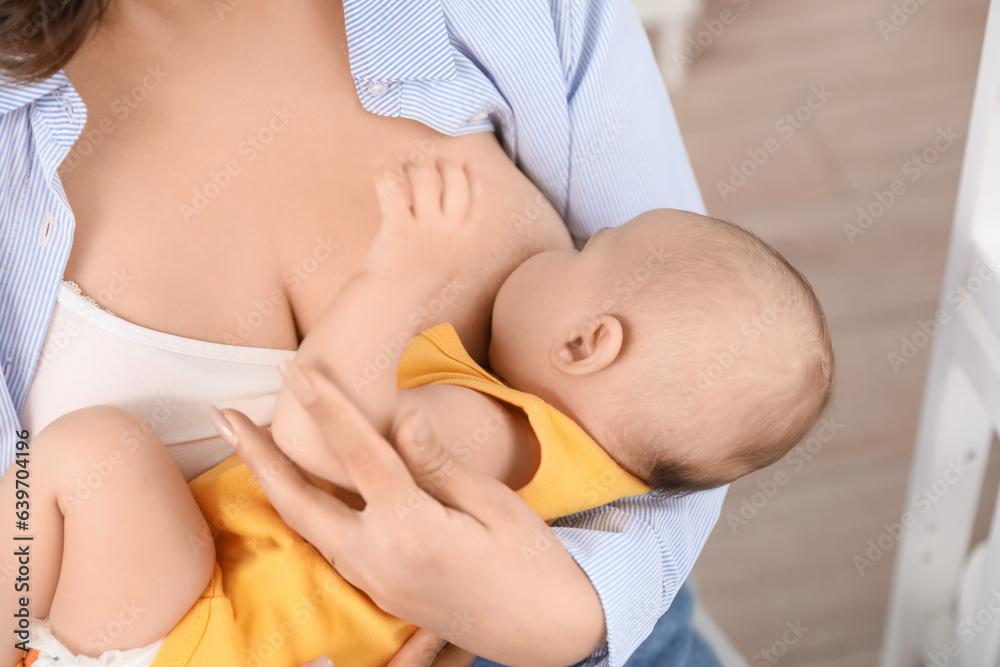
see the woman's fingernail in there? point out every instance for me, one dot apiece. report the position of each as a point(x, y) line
point(221, 424)
point(297, 381)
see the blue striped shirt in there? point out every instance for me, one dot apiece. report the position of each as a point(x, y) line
point(572, 91)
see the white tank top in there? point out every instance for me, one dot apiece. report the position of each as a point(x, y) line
point(91, 357)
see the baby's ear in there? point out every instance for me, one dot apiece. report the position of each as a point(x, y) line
point(589, 347)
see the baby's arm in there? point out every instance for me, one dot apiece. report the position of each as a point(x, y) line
point(361, 336)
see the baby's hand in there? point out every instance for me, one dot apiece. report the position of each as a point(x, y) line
point(432, 238)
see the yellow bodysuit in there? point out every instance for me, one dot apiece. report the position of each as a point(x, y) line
point(274, 601)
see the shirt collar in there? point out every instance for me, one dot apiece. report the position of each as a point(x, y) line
point(14, 96)
point(388, 41)
point(398, 40)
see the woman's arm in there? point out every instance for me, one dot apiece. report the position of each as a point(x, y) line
point(628, 157)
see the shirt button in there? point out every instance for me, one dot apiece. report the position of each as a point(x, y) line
point(378, 88)
point(478, 116)
point(64, 103)
point(47, 227)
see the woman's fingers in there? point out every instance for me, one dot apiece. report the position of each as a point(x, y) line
point(436, 471)
point(418, 651)
point(307, 510)
point(373, 466)
point(321, 661)
point(426, 649)
point(453, 656)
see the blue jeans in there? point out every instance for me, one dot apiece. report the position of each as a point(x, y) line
point(673, 643)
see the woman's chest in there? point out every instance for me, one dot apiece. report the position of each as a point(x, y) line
point(224, 189)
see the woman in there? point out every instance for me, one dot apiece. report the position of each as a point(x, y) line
point(220, 191)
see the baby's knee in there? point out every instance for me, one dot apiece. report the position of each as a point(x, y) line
point(90, 443)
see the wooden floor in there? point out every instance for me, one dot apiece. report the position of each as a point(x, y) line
point(793, 561)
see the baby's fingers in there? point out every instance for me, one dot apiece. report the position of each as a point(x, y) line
point(391, 201)
point(476, 192)
point(455, 194)
point(426, 185)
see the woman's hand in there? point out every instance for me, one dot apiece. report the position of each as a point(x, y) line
point(425, 649)
point(471, 564)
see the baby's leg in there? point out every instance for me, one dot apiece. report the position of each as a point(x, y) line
point(121, 550)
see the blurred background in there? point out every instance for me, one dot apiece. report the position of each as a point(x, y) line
point(879, 96)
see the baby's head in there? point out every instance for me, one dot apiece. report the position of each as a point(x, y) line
point(686, 346)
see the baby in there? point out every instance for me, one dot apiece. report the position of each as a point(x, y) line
point(676, 352)
point(686, 346)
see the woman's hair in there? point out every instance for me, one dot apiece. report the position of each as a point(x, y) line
point(38, 37)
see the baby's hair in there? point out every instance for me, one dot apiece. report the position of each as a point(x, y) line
point(730, 350)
